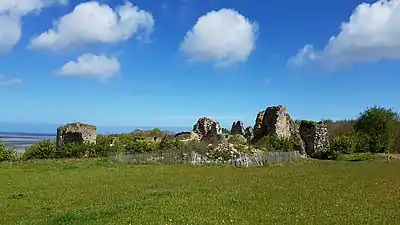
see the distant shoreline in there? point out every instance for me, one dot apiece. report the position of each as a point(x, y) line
point(22, 140)
point(51, 130)
point(2, 133)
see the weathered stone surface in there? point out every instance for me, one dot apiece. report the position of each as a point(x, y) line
point(315, 136)
point(237, 128)
point(259, 129)
point(249, 133)
point(76, 132)
point(275, 120)
point(208, 130)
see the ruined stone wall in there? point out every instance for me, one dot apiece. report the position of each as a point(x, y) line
point(249, 133)
point(275, 120)
point(76, 132)
point(259, 129)
point(315, 136)
point(208, 130)
point(237, 128)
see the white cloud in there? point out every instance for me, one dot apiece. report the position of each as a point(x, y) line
point(9, 82)
point(89, 65)
point(372, 33)
point(10, 32)
point(11, 13)
point(93, 22)
point(224, 37)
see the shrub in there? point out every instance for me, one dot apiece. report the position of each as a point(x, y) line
point(344, 144)
point(183, 136)
point(378, 127)
point(237, 139)
point(326, 155)
point(170, 143)
point(354, 157)
point(396, 146)
point(75, 150)
point(274, 143)
point(193, 146)
point(140, 146)
point(155, 132)
point(41, 150)
point(7, 154)
point(106, 146)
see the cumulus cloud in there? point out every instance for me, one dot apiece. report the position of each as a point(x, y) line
point(10, 32)
point(11, 13)
point(90, 65)
point(224, 37)
point(9, 82)
point(94, 22)
point(372, 33)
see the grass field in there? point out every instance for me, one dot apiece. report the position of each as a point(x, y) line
point(96, 192)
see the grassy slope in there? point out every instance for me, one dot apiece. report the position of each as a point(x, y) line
point(97, 193)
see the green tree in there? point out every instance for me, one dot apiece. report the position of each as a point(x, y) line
point(377, 127)
point(155, 132)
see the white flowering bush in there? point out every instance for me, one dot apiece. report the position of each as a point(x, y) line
point(227, 151)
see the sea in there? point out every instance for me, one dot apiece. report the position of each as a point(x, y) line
point(20, 141)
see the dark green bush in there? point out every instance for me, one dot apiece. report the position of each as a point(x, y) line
point(274, 143)
point(7, 154)
point(76, 150)
point(41, 150)
point(326, 155)
point(344, 144)
point(170, 143)
point(377, 126)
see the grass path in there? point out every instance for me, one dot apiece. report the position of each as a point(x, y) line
point(90, 192)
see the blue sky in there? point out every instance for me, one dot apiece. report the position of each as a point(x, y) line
point(165, 63)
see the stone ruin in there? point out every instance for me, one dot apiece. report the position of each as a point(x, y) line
point(249, 133)
point(76, 132)
point(208, 130)
point(315, 136)
point(308, 137)
point(259, 129)
point(237, 128)
point(275, 120)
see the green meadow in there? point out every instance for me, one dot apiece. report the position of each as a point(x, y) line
point(93, 191)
